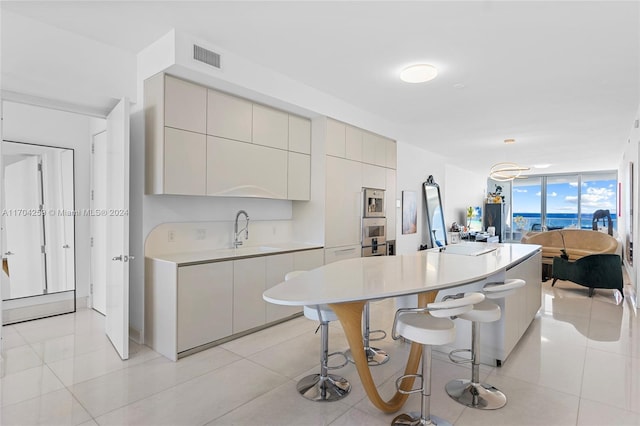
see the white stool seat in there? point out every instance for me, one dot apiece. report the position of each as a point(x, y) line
point(500, 290)
point(485, 311)
point(426, 329)
point(428, 326)
point(473, 393)
point(323, 386)
point(311, 312)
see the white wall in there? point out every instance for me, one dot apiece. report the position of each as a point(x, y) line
point(631, 155)
point(31, 124)
point(414, 167)
point(459, 189)
point(86, 72)
point(462, 189)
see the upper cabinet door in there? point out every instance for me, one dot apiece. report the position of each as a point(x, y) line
point(185, 162)
point(229, 117)
point(299, 134)
point(236, 169)
point(185, 105)
point(353, 143)
point(270, 127)
point(299, 176)
point(392, 154)
point(374, 149)
point(335, 138)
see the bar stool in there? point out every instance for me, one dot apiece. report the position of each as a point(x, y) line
point(435, 329)
point(323, 386)
point(472, 393)
point(375, 356)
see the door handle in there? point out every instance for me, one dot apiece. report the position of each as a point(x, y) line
point(66, 246)
point(123, 258)
point(9, 253)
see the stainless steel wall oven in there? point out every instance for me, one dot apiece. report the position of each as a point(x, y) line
point(374, 223)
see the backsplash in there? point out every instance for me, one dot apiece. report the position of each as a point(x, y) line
point(178, 237)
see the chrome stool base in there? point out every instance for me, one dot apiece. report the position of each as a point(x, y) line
point(476, 395)
point(413, 419)
point(328, 388)
point(375, 356)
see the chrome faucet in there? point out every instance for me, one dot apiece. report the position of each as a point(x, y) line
point(236, 233)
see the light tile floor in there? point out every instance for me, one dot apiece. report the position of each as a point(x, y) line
point(577, 364)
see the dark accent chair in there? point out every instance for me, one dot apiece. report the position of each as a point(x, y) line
point(593, 271)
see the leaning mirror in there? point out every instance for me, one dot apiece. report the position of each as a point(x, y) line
point(38, 220)
point(435, 215)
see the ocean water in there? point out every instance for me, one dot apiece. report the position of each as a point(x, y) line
point(563, 220)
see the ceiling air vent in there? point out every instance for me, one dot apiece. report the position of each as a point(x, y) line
point(207, 56)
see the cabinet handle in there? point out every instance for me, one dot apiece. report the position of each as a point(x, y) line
point(345, 250)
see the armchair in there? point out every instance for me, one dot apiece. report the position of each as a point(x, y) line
point(593, 271)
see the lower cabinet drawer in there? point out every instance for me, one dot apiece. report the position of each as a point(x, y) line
point(341, 253)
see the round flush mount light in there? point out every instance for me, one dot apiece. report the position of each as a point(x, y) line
point(418, 73)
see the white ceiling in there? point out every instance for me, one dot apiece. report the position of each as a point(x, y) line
point(562, 77)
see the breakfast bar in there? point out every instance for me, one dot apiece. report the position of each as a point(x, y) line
point(347, 285)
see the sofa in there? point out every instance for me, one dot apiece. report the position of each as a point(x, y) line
point(577, 243)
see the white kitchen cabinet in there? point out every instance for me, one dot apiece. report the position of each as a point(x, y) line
point(335, 138)
point(245, 170)
point(277, 267)
point(391, 210)
point(185, 162)
point(299, 134)
point(228, 116)
point(336, 254)
point(298, 176)
point(270, 127)
point(204, 298)
point(392, 154)
point(185, 105)
point(353, 143)
point(374, 149)
point(343, 207)
point(191, 307)
point(374, 176)
point(174, 136)
point(180, 115)
point(308, 259)
point(248, 285)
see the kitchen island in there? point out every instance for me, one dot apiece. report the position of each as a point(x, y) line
point(347, 285)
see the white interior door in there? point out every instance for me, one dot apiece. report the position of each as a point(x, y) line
point(67, 186)
point(24, 229)
point(99, 256)
point(117, 214)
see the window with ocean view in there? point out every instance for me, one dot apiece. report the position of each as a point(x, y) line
point(562, 201)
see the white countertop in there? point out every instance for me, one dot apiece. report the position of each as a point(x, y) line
point(219, 255)
point(380, 277)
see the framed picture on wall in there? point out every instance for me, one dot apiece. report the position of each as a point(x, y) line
point(409, 212)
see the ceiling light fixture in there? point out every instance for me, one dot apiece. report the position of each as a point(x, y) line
point(507, 171)
point(503, 172)
point(418, 73)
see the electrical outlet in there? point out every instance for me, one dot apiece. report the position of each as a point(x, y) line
point(201, 234)
point(172, 236)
